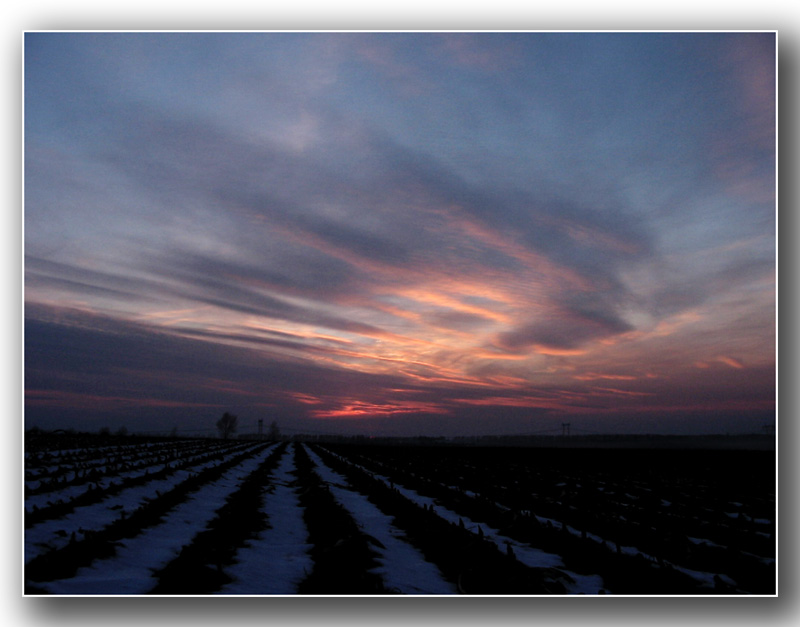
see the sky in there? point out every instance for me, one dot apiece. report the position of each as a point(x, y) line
point(421, 233)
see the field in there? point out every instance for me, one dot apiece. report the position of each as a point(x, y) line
point(135, 516)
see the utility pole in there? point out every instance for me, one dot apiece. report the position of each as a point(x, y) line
point(260, 428)
point(565, 429)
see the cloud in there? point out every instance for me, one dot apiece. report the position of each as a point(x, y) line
point(730, 361)
point(298, 242)
point(183, 158)
point(61, 398)
point(73, 354)
point(79, 359)
point(592, 376)
point(355, 408)
point(567, 326)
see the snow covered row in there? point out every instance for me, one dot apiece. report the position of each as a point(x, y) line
point(53, 534)
point(532, 557)
point(278, 559)
point(130, 570)
point(403, 568)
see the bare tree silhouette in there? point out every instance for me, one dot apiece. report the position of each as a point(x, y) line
point(274, 432)
point(227, 425)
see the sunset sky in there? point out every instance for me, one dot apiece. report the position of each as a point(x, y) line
point(400, 233)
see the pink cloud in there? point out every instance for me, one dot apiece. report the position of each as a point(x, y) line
point(354, 408)
point(380, 54)
point(619, 392)
point(730, 361)
point(306, 399)
point(468, 50)
point(750, 65)
point(592, 376)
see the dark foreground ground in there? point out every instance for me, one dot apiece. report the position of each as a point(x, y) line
point(636, 520)
point(650, 520)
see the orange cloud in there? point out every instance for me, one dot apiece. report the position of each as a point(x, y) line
point(730, 361)
point(592, 376)
point(551, 350)
point(623, 392)
point(548, 274)
point(353, 408)
point(306, 399)
point(427, 295)
point(508, 401)
point(300, 332)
